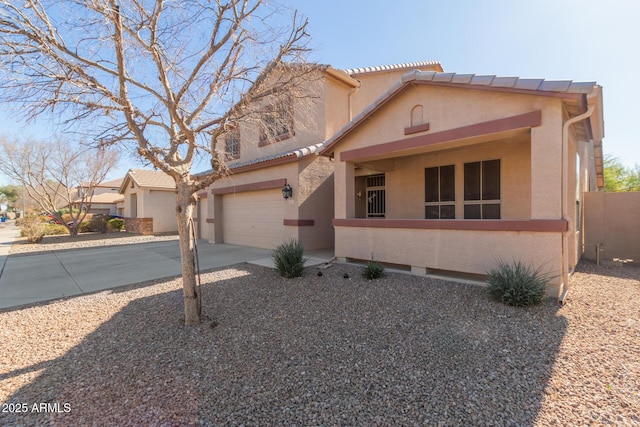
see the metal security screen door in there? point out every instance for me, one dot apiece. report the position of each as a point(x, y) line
point(376, 204)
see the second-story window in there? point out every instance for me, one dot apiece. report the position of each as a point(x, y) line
point(232, 145)
point(277, 123)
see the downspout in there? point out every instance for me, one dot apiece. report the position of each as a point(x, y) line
point(565, 192)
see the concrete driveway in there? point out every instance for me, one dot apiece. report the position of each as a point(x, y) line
point(32, 278)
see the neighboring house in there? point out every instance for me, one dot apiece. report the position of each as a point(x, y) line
point(449, 172)
point(149, 202)
point(104, 197)
point(248, 207)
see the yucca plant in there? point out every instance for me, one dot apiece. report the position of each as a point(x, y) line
point(288, 259)
point(517, 284)
point(373, 270)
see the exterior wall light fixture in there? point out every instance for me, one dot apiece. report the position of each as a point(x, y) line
point(287, 191)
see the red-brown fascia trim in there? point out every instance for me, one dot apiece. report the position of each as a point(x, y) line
point(521, 121)
point(415, 129)
point(202, 195)
point(548, 226)
point(298, 222)
point(254, 186)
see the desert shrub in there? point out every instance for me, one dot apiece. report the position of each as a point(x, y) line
point(289, 260)
point(55, 229)
point(373, 270)
point(99, 223)
point(32, 228)
point(517, 284)
point(116, 223)
point(84, 227)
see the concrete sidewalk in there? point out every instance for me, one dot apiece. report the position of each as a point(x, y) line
point(8, 232)
point(34, 278)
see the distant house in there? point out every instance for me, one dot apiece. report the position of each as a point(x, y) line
point(449, 172)
point(149, 202)
point(104, 197)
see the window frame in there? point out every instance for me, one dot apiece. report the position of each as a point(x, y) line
point(482, 200)
point(231, 154)
point(276, 123)
point(431, 202)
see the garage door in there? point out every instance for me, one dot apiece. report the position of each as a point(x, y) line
point(254, 218)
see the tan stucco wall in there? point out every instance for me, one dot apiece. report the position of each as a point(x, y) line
point(372, 85)
point(308, 125)
point(312, 181)
point(612, 220)
point(464, 251)
point(315, 201)
point(156, 204)
point(160, 205)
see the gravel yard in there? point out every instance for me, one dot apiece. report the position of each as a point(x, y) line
point(401, 350)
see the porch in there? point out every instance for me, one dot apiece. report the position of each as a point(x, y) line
point(455, 205)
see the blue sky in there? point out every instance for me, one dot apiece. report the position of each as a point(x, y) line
point(576, 40)
point(582, 40)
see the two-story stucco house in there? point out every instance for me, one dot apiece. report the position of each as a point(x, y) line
point(248, 207)
point(409, 165)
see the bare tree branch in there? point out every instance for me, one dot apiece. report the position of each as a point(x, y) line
point(52, 173)
point(165, 79)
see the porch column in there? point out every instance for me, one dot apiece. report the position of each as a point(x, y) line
point(345, 204)
point(215, 218)
point(546, 166)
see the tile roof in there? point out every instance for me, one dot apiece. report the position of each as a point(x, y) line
point(518, 83)
point(151, 179)
point(298, 153)
point(509, 84)
point(405, 65)
point(104, 198)
point(114, 183)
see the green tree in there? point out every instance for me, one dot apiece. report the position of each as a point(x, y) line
point(618, 177)
point(9, 194)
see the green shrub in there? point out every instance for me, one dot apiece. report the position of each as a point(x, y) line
point(116, 224)
point(32, 228)
point(55, 229)
point(517, 284)
point(289, 260)
point(373, 270)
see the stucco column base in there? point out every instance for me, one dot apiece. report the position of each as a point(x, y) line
point(341, 260)
point(418, 271)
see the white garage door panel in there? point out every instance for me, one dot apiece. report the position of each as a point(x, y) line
point(253, 218)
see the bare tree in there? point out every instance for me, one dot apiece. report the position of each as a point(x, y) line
point(164, 78)
point(51, 173)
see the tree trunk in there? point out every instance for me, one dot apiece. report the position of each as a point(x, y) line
point(184, 215)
